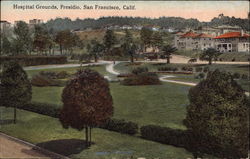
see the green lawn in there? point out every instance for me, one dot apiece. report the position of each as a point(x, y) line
point(48, 132)
point(163, 105)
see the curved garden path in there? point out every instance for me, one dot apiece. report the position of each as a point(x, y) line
point(163, 78)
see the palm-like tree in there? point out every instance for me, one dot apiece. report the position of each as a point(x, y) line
point(209, 55)
point(167, 51)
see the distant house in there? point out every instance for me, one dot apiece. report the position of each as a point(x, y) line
point(193, 41)
point(216, 31)
point(233, 42)
point(34, 22)
point(5, 25)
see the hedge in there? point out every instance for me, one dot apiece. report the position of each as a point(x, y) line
point(35, 60)
point(146, 78)
point(52, 110)
point(122, 126)
point(165, 135)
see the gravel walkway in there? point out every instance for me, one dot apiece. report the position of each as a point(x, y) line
point(11, 147)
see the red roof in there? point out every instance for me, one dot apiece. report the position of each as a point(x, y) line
point(189, 35)
point(202, 35)
point(195, 35)
point(232, 35)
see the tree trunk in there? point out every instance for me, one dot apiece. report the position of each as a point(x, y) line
point(15, 115)
point(132, 58)
point(168, 60)
point(61, 49)
point(90, 136)
point(210, 62)
point(96, 59)
point(86, 136)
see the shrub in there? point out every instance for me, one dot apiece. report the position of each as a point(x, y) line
point(142, 79)
point(198, 69)
point(206, 69)
point(200, 76)
point(139, 70)
point(236, 75)
point(54, 75)
point(244, 76)
point(42, 108)
point(166, 135)
point(35, 60)
point(186, 68)
point(62, 75)
point(43, 81)
point(48, 74)
point(168, 69)
point(120, 125)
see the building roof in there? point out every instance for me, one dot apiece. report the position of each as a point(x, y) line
point(232, 35)
point(195, 35)
point(203, 35)
point(189, 35)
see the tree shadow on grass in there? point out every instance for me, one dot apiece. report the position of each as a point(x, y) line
point(64, 147)
point(6, 122)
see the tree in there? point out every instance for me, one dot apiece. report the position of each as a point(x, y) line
point(209, 55)
point(146, 35)
point(129, 46)
point(96, 49)
point(109, 40)
point(157, 41)
point(65, 39)
point(5, 46)
point(42, 40)
point(87, 102)
point(167, 51)
point(23, 38)
point(15, 86)
point(218, 115)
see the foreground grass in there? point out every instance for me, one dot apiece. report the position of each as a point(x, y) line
point(48, 132)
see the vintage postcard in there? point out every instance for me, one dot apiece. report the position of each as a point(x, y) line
point(124, 79)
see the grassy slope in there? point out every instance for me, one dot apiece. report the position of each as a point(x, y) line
point(39, 129)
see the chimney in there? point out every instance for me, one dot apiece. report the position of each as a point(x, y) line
point(241, 32)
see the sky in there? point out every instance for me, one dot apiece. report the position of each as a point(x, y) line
point(201, 10)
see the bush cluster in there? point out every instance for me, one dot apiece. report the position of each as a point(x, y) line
point(166, 135)
point(168, 69)
point(206, 69)
point(34, 60)
point(244, 76)
point(51, 110)
point(145, 78)
point(198, 69)
point(43, 81)
point(139, 70)
point(121, 126)
point(54, 75)
point(236, 75)
point(186, 68)
point(200, 76)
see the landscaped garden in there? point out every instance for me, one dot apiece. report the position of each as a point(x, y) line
point(144, 105)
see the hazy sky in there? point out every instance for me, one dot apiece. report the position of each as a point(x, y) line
point(202, 10)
